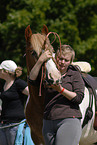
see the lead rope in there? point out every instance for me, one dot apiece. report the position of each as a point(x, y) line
point(41, 82)
point(44, 68)
point(52, 43)
point(54, 39)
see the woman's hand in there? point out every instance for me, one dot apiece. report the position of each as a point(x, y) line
point(57, 87)
point(45, 56)
point(35, 70)
point(68, 94)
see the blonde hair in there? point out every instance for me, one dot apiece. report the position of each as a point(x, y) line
point(67, 49)
point(17, 73)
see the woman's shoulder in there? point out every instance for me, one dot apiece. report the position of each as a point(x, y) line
point(73, 68)
point(20, 82)
point(75, 73)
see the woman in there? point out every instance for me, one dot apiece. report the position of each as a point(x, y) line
point(13, 96)
point(61, 123)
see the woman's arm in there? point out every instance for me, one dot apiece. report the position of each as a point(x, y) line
point(26, 91)
point(77, 94)
point(35, 70)
point(68, 94)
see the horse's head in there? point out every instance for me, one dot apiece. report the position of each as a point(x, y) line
point(38, 43)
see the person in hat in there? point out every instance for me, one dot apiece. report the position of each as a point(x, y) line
point(62, 115)
point(13, 96)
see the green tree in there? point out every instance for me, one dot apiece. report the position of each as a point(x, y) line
point(74, 21)
point(12, 29)
point(86, 14)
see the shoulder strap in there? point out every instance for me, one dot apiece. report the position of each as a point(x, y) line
point(75, 67)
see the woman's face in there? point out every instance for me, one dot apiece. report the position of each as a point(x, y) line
point(63, 62)
point(3, 74)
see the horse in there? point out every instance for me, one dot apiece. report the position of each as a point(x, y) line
point(34, 116)
point(35, 104)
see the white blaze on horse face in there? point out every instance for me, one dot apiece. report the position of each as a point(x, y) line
point(52, 70)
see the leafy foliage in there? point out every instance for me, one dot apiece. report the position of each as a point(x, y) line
point(74, 21)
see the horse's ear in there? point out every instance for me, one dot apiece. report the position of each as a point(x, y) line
point(28, 34)
point(44, 30)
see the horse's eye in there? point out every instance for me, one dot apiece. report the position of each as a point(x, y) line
point(34, 54)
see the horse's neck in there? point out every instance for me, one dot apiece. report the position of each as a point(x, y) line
point(30, 61)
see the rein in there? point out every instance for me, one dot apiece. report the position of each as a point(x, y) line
point(54, 39)
point(43, 75)
point(52, 43)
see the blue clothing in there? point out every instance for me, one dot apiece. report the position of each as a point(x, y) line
point(19, 136)
point(27, 136)
point(23, 135)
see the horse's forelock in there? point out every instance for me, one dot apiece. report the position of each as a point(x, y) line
point(37, 41)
